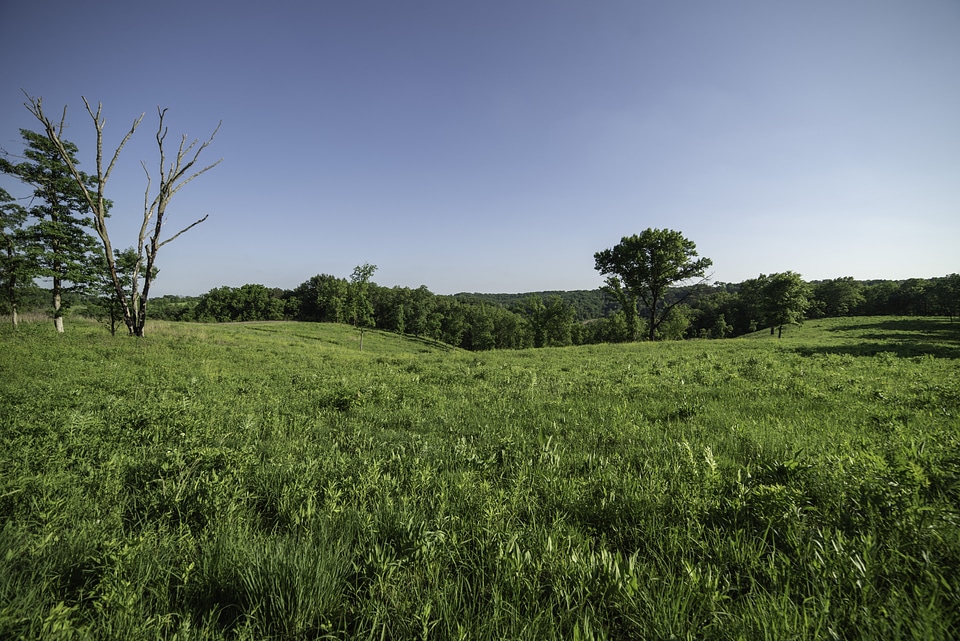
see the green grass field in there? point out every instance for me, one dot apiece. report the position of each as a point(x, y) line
point(271, 481)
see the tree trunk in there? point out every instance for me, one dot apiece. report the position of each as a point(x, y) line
point(653, 319)
point(113, 318)
point(13, 314)
point(57, 307)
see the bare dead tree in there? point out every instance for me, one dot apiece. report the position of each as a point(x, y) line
point(173, 177)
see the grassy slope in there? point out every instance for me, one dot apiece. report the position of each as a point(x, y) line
point(257, 480)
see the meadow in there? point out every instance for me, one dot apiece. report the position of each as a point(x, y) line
point(272, 481)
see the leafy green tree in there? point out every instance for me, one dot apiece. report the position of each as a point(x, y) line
point(480, 328)
point(508, 330)
point(558, 322)
point(254, 302)
point(390, 307)
point(450, 317)
point(721, 328)
point(609, 329)
point(752, 306)
point(714, 314)
point(644, 266)
point(15, 264)
point(785, 299)
point(675, 327)
point(912, 297)
point(61, 248)
point(417, 311)
point(837, 297)
point(359, 306)
point(627, 300)
point(533, 312)
point(323, 298)
point(946, 293)
point(880, 298)
point(251, 302)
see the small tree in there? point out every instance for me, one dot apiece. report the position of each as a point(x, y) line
point(675, 327)
point(173, 177)
point(643, 267)
point(785, 299)
point(358, 296)
point(111, 307)
point(721, 328)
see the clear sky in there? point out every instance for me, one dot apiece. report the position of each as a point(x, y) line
point(495, 146)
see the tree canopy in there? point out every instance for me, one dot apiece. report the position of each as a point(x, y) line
point(58, 243)
point(786, 298)
point(644, 266)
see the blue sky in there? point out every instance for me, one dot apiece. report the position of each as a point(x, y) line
point(496, 146)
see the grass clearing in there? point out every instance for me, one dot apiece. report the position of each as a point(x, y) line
point(270, 480)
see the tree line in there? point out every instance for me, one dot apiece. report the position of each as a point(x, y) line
point(547, 319)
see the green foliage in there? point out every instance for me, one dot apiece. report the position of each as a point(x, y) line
point(245, 303)
point(785, 298)
point(644, 266)
point(104, 304)
point(15, 265)
point(587, 304)
point(269, 480)
point(482, 322)
point(359, 306)
point(57, 245)
point(837, 297)
point(323, 298)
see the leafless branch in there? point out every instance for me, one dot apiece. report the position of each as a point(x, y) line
point(185, 229)
point(171, 180)
point(99, 123)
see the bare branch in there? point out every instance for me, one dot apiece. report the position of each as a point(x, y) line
point(99, 123)
point(171, 180)
point(185, 229)
point(96, 203)
point(187, 180)
point(183, 169)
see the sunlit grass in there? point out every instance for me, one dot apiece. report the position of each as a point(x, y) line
point(271, 480)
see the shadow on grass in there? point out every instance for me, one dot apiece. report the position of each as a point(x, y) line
point(902, 337)
point(430, 342)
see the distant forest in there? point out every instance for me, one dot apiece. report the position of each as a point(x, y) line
point(478, 321)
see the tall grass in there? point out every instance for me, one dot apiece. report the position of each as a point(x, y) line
point(260, 481)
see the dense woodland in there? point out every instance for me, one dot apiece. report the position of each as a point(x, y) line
point(515, 321)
